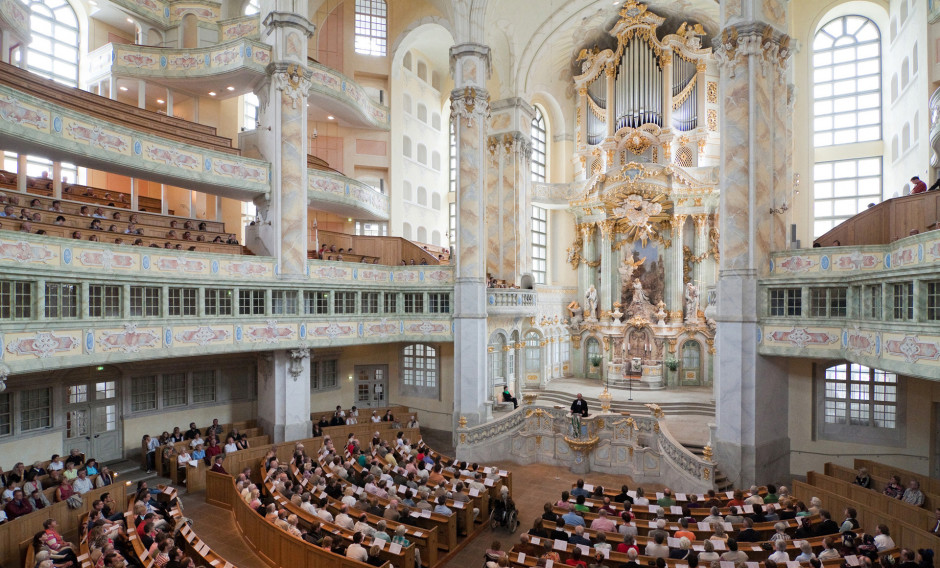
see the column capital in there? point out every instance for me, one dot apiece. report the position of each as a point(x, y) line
point(587, 230)
point(291, 79)
point(700, 220)
point(678, 220)
point(469, 103)
point(288, 20)
point(607, 227)
point(466, 60)
point(740, 41)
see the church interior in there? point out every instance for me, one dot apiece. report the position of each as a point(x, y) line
point(686, 248)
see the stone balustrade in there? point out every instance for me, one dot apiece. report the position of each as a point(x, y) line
point(511, 301)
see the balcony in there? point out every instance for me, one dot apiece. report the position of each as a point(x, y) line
point(332, 191)
point(511, 301)
point(934, 105)
point(876, 305)
point(202, 303)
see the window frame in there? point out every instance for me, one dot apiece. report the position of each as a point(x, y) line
point(371, 28)
point(539, 244)
point(420, 365)
point(844, 430)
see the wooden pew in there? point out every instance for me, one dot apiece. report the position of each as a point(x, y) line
point(929, 485)
point(836, 495)
point(404, 557)
point(274, 546)
point(424, 539)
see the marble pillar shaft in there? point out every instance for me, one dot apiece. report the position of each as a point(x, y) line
point(675, 268)
point(700, 247)
point(507, 219)
point(606, 292)
point(470, 107)
point(752, 393)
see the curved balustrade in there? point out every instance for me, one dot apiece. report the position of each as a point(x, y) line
point(866, 329)
point(34, 124)
point(639, 446)
point(346, 197)
point(197, 310)
point(166, 14)
point(157, 63)
point(337, 93)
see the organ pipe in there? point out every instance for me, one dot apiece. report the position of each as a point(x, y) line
point(638, 88)
point(685, 116)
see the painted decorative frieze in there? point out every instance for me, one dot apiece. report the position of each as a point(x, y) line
point(130, 339)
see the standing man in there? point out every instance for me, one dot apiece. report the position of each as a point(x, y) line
point(579, 406)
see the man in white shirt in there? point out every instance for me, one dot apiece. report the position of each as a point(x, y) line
point(343, 519)
point(657, 547)
point(356, 551)
point(196, 441)
point(883, 540)
point(362, 526)
point(82, 484)
point(780, 555)
point(755, 498)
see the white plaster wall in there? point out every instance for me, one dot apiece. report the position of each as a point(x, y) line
point(155, 424)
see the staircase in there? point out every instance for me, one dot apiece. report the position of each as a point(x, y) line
point(129, 471)
point(707, 409)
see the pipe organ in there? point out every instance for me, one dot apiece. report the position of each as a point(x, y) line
point(638, 87)
point(644, 100)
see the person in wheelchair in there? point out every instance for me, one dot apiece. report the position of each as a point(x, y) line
point(504, 511)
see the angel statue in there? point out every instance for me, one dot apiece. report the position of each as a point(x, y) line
point(577, 315)
point(691, 302)
point(638, 294)
point(629, 266)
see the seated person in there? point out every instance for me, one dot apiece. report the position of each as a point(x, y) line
point(507, 397)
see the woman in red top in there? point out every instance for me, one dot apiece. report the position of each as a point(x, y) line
point(738, 500)
point(64, 491)
point(575, 559)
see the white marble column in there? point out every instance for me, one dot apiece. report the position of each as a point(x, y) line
point(470, 109)
point(21, 173)
point(283, 98)
point(699, 250)
point(606, 293)
point(587, 275)
point(284, 394)
point(752, 407)
point(674, 285)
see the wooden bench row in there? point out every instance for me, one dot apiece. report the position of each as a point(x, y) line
point(102, 108)
point(71, 205)
point(274, 546)
point(883, 472)
point(246, 427)
point(51, 230)
point(398, 556)
point(424, 538)
point(401, 413)
point(83, 193)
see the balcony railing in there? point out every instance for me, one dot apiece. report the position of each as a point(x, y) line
point(511, 301)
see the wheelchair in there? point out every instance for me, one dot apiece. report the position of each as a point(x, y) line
point(503, 513)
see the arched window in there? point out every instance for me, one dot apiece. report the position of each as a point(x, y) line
point(406, 147)
point(252, 7)
point(419, 366)
point(423, 112)
point(422, 71)
point(847, 110)
point(539, 244)
point(436, 201)
point(691, 362)
point(406, 191)
point(422, 196)
point(539, 146)
point(533, 353)
point(592, 351)
point(407, 62)
point(251, 105)
point(436, 238)
point(914, 60)
point(906, 137)
point(436, 120)
point(905, 73)
point(53, 52)
point(436, 80)
point(423, 154)
point(406, 231)
point(436, 161)
point(497, 360)
point(422, 236)
point(453, 157)
point(406, 103)
point(371, 27)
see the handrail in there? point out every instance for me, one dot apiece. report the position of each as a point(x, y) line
point(328, 81)
point(505, 300)
point(887, 221)
point(334, 187)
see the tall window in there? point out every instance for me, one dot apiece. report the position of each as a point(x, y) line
point(847, 110)
point(251, 105)
point(419, 366)
point(860, 396)
point(252, 7)
point(539, 146)
point(533, 352)
point(453, 156)
point(371, 27)
point(53, 52)
point(539, 243)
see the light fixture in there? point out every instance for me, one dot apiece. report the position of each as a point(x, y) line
point(160, 101)
point(230, 88)
point(211, 93)
point(329, 117)
point(130, 21)
point(122, 88)
point(349, 219)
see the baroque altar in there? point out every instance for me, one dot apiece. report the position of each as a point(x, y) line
point(646, 245)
